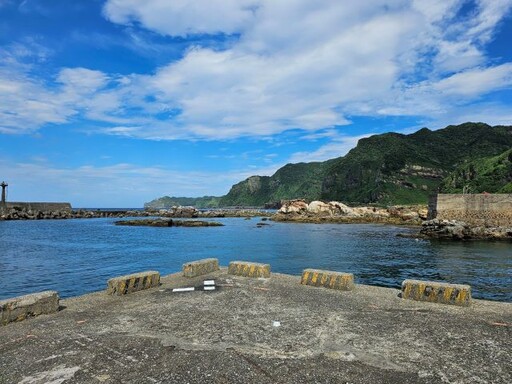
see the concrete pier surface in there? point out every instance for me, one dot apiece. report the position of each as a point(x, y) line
point(259, 330)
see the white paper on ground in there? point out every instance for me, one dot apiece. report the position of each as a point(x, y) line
point(187, 289)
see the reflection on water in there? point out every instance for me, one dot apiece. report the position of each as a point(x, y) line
point(78, 256)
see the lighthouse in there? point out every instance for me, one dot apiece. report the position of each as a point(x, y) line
point(4, 186)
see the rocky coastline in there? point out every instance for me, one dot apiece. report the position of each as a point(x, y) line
point(296, 211)
point(335, 212)
point(174, 212)
point(168, 223)
point(459, 230)
point(24, 214)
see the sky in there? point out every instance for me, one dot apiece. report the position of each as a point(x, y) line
point(112, 103)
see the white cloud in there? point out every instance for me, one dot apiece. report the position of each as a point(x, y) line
point(329, 61)
point(183, 17)
point(27, 103)
point(476, 82)
point(489, 14)
point(82, 79)
point(437, 10)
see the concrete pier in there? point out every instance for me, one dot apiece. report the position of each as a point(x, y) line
point(249, 330)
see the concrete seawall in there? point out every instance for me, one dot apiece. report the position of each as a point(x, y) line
point(475, 209)
point(43, 207)
point(259, 330)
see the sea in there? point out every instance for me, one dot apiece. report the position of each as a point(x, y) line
point(78, 256)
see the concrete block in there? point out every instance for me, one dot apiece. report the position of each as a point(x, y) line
point(200, 267)
point(434, 292)
point(328, 279)
point(247, 269)
point(21, 307)
point(123, 285)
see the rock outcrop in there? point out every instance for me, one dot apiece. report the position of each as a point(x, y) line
point(297, 206)
point(334, 211)
point(168, 223)
point(459, 230)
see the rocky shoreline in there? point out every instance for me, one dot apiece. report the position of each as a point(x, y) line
point(335, 212)
point(23, 214)
point(297, 211)
point(168, 223)
point(459, 230)
point(175, 212)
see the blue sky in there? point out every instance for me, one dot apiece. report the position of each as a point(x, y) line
point(113, 103)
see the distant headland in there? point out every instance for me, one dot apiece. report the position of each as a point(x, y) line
point(383, 170)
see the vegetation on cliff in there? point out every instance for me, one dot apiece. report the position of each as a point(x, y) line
point(405, 169)
point(488, 174)
point(302, 180)
point(390, 168)
point(387, 169)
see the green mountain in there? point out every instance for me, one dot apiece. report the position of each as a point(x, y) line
point(385, 169)
point(302, 180)
point(488, 174)
point(198, 202)
point(390, 168)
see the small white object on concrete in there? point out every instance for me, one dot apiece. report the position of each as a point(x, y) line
point(187, 289)
point(276, 323)
point(209, 282)
point(209, 288)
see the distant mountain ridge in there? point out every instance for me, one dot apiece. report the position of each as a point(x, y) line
point(387, 169)
point(166, 202)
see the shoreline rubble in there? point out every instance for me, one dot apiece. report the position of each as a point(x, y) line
point(460, 230)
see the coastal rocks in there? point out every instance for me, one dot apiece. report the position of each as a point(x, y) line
point(334, 211)
point(179, 211)
point(332, 208)
point(459, 230)
point(175, 212)
point(296, 206)
point(168, 223)
point(24, 214)
point(318, 207)
point(337, 208)
point(191, 212)
point(370, 212)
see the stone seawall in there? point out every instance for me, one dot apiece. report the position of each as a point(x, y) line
point(491, 210)
point(43, 207)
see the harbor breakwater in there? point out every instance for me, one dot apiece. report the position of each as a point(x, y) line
point(238, 327)
point(42, 211)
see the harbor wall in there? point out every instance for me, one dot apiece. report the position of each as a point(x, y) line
point(476, 209)
point(43, 207)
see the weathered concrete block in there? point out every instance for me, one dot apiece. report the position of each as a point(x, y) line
point(200, 267)
point(328, 279)
point(21, 307)
point(443, 293)
point(247, 269)
point(131, 283)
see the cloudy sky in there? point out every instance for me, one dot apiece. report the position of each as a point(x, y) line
point(113, 103)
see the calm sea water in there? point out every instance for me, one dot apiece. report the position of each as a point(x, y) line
point(78, 256)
